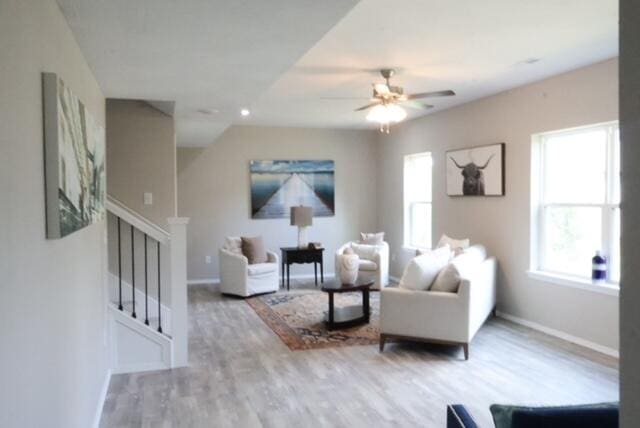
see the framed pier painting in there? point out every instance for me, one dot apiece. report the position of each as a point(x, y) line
point(277, 185)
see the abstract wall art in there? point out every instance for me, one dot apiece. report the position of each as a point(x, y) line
point(277, 185)
point(75, 176)
point(476, 171)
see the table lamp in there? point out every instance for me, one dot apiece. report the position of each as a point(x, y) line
point(302, 217)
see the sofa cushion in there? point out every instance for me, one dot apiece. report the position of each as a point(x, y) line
point(603, 415)
point(367, 252)
point(261, 268)
point(372, 238)
point(467, 262)
point(367, 265)
point(457, 245)
point(254, 250)
point(422, 270)
point(233, 244)
point(478, 252)
point(448, 280)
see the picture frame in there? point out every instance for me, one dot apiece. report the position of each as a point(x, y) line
point(277, 185)
point(476, 171)
point(75, 168)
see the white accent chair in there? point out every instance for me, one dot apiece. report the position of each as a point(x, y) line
point(377, 263)
point(440, 317)
point(239, 278)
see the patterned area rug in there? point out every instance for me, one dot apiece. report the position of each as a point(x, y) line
point(297, 317)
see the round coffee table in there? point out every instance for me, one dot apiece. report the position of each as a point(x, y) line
point(348, 316)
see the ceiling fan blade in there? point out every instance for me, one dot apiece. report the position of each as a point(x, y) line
point(368, 106)
point(345, 98)
point(416, 105)
point(446, 93)
point(381, 88)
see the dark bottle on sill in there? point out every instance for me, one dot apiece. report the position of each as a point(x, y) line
point(599, 268)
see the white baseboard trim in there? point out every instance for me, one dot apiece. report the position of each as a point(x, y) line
point(101, 399)
point(203, 281)
point(560, 335)
point(217, 280)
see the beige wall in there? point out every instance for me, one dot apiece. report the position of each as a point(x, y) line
point(213, 190)
point(141, 157)
point(581, 97)
point(52, 304)
point(630, 134)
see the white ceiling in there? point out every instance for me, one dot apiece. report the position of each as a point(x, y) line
point(203, 54)
point(283, 58)
point(477, 48)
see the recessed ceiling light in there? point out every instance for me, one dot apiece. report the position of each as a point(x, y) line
point(245, 112)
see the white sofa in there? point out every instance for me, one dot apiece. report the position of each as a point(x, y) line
point(378, 263)
point(239, 278)
point(440, 317)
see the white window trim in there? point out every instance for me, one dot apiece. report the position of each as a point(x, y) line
point(537, 209)
point(608, 288)
point(406, 206)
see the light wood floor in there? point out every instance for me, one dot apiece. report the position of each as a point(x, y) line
point(242, 375)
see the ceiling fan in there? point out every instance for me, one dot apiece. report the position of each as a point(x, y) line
point(387, 100)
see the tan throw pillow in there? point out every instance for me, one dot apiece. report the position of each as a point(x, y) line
point(372, 238)
point(254, 250)
point(447, 280)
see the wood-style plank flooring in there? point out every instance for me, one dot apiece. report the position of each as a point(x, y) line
point(242, 375)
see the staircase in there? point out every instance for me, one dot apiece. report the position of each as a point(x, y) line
point(147, 291)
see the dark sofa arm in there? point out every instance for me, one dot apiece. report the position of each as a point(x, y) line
point(459, 417)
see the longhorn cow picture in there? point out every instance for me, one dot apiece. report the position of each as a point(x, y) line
point(476, 171)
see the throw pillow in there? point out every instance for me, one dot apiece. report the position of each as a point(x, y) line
point(457, 245)
point(367, 252)
point(233, 244)
point(254, 250)
point(372, 238)
point(587, 415)
point(448, 280)
point(422, 270)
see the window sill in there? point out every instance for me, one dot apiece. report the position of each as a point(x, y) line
point(609, 288)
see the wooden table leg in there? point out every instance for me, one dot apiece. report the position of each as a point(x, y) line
point(283, 273)
point(365, 304)
point(330, 309)
point(321, 271)
point(288, 277)
point(315, 272)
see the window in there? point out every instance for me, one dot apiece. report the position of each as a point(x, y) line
point(417, 200)
point(576, 200)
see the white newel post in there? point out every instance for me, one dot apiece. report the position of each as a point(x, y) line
point(179, 314)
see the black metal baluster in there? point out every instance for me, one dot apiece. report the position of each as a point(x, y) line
point(133, 276)
point(159, 307)
point(146, 284)
point(119, 269)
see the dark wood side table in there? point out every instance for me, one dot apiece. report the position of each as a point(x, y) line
point(291, 255)
point(348, 316)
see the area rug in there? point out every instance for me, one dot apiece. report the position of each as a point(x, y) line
point(297, 318)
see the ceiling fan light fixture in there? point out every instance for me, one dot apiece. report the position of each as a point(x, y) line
point(386, 113)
